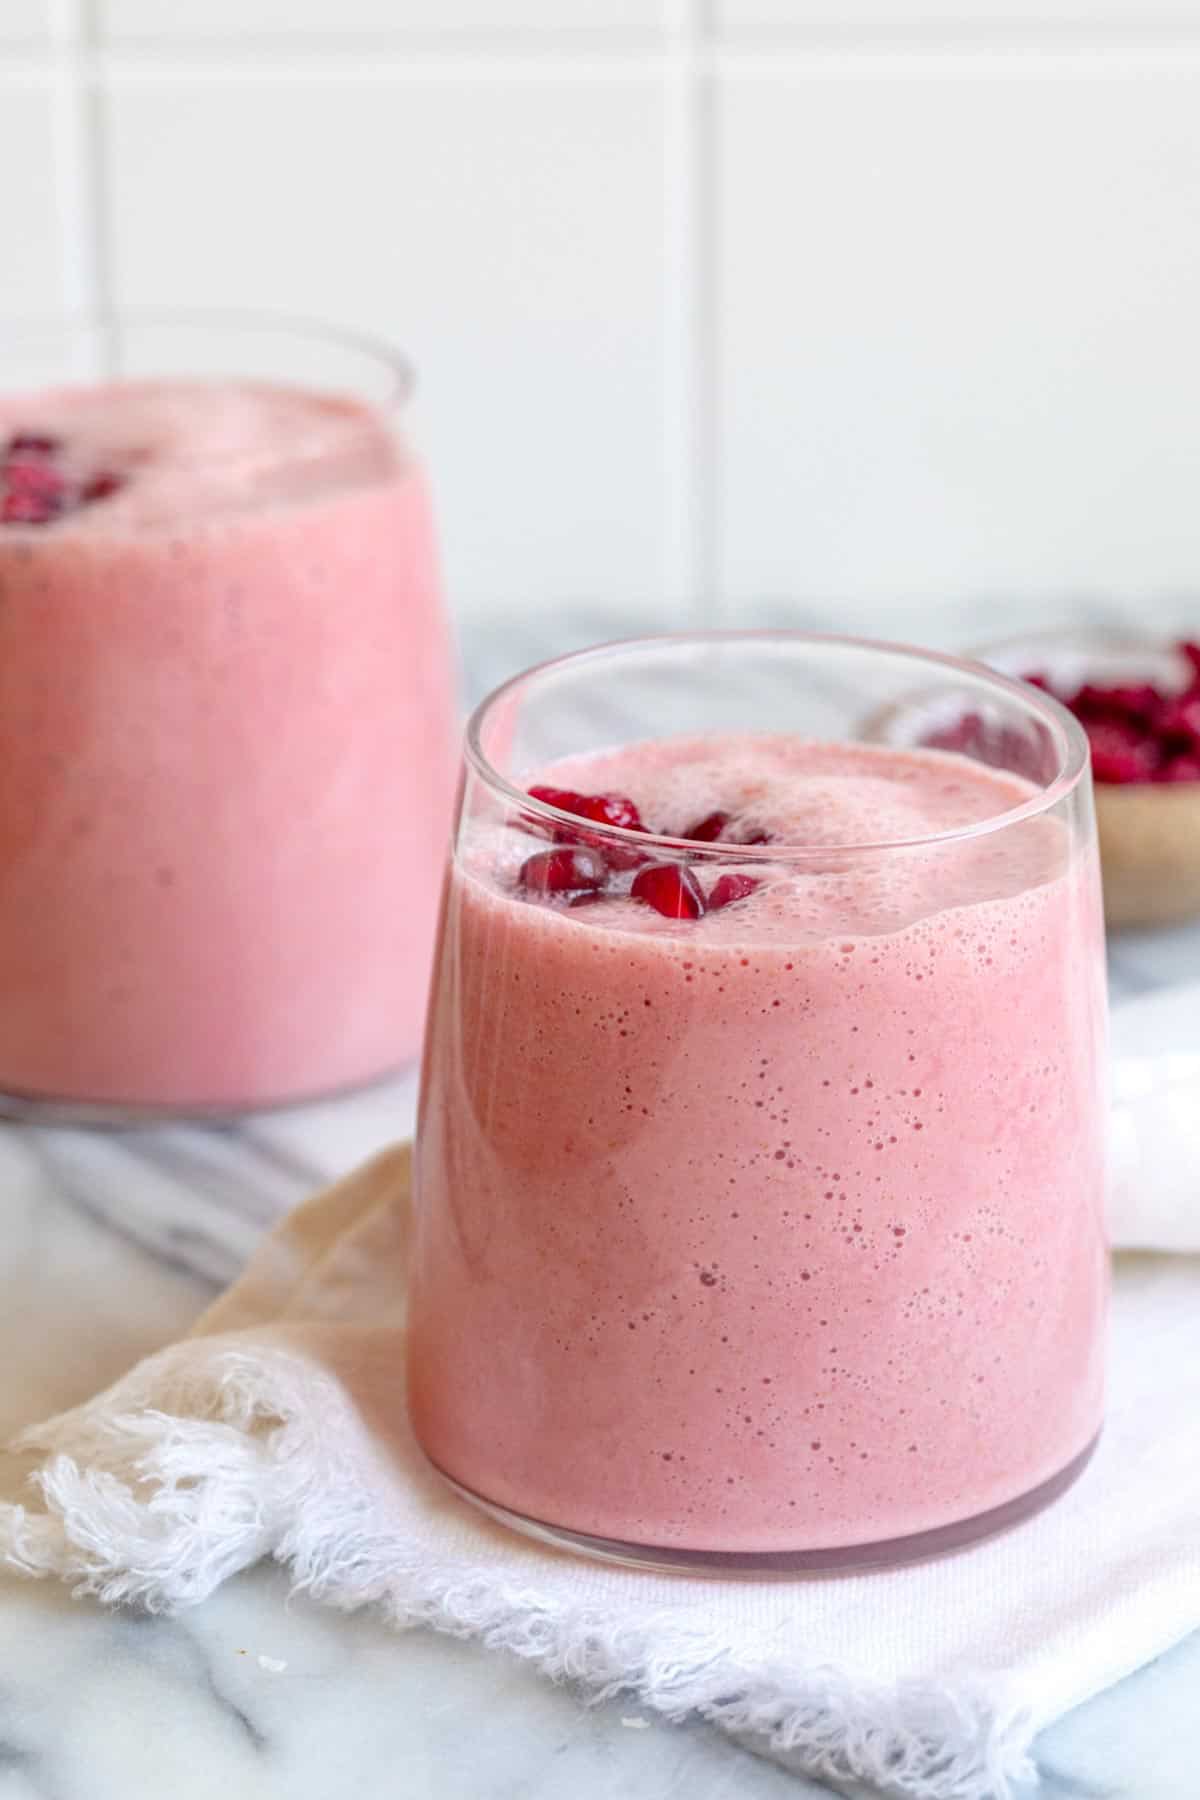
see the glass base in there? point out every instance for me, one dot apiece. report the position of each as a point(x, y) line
point(838, 1559)
point(125, 1115)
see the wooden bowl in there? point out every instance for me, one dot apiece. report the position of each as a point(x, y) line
point(1149, 835)
point(1150, 852)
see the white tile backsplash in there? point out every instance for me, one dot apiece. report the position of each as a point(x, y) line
point(31, 269)
point(842, 306)
point(507, 233)
point(957, 331)
point(22, 23)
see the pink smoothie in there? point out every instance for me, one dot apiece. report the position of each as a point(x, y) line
point(226, 748)
point(782, 1227)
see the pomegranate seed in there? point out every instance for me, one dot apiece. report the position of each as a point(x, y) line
point(1178, 725)
point(1137, 732)
point(671, 890)
point(708, 829)
point(32, 443)
point(1119, 753)
point(560, 797)
point(962, 735)
point(25, 503)
point(560, 871)
point(1180, 768)
point(33, 488)
point(32, 475)
point(601, 809)
point(1117, 768)
point(100, 486)
point(730, 888)
point(998, 746)
point(618, 857)
point(1136, 703)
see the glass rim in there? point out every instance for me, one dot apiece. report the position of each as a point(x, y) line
point(1074, 756)
point(269, 323)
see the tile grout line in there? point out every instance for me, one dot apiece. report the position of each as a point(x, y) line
point(390, 64)
point(96, 175)
point(762, 51)
point(393, 59)
point(685, 547)
point(677, 547)
point(75, 234)
point(708, 301)
point(79, 165)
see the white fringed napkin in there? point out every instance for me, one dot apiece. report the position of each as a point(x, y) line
point(277, 1429)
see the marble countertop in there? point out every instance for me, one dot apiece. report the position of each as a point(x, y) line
point(111, 1244)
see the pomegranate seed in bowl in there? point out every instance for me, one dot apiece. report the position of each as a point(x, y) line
point(1138, 730)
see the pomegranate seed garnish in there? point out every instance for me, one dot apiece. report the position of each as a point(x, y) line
point(27, 501)
point(552, 796)
point(33, 486)
point(32, 443)
point(708, 829)
point(33, 474)
point(601, 809)
point(670, 890)
point(102, 485)
point(730, 888)
point(617, 856)
point(560, 871)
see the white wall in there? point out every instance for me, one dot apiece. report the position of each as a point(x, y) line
point(859, 303)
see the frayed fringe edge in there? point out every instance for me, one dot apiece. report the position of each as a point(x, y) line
point(917, 1740)
point(183, 1475)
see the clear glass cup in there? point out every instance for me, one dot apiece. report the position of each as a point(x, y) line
point(773, 1239)
point(228, 737)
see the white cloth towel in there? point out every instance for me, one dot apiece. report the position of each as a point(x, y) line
point(276, 1429)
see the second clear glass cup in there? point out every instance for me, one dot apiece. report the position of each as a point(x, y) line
point(228, 733)
point(759, 1175)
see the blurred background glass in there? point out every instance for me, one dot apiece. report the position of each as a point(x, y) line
point(228, 726)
